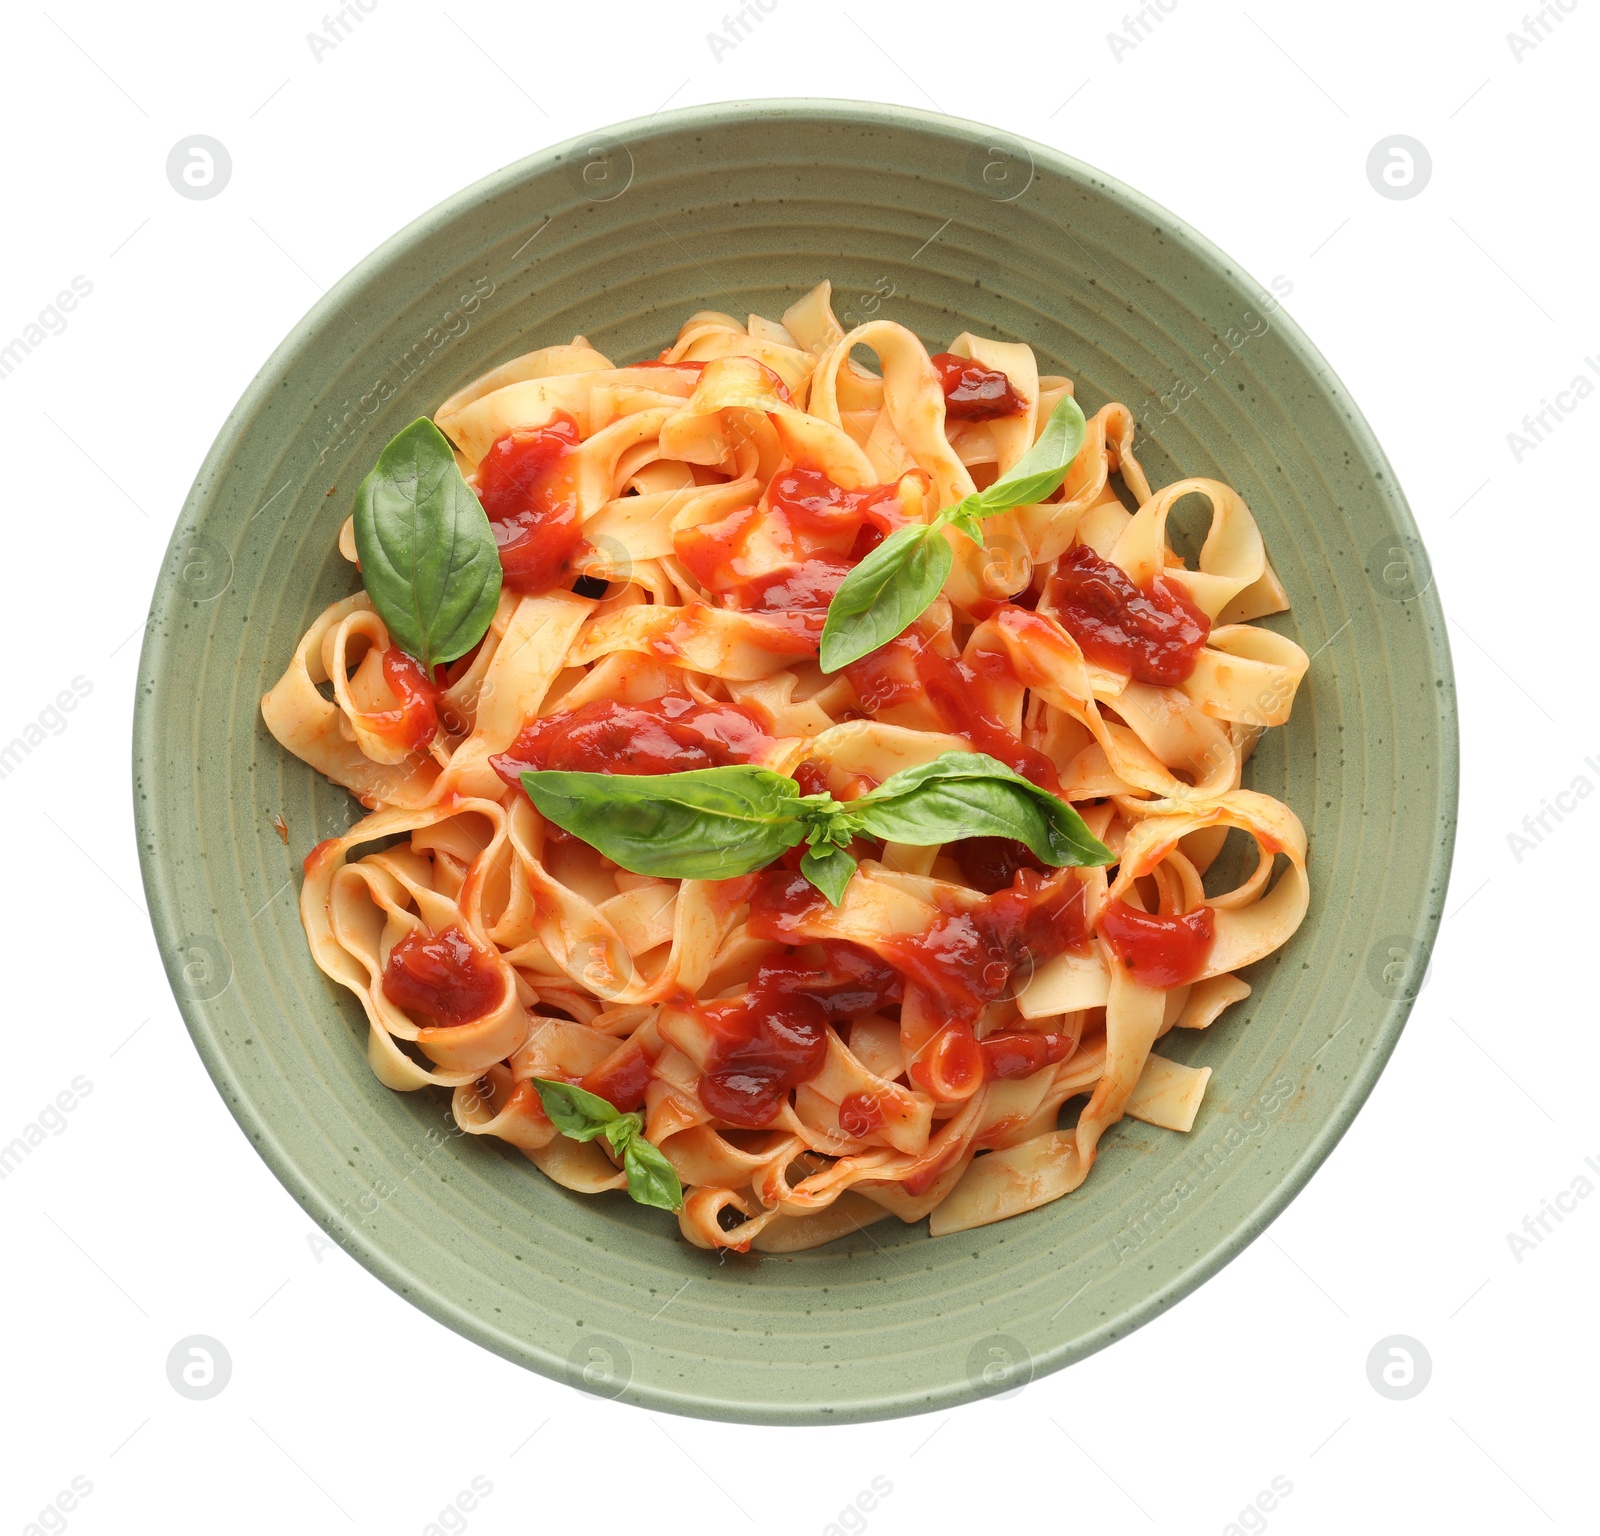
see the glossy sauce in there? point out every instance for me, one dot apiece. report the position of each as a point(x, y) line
point(526, 487)
point(1160, 951)
point(667, 735)
point(968, 956)
point(908, 669)
point(1022, 1052)
point(860, 1114)
point(990, 864)
point(973, 392)
point(950, 1066)
point(820, 527)
point(414, 721)
point(442, 975)
point(1156, 634)
point(775, 1037)
point(971, 956)
point(622, 1077)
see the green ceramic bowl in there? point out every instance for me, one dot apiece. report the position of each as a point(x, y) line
point(941, 225)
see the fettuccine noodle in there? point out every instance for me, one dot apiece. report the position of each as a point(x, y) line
point(806, 1069)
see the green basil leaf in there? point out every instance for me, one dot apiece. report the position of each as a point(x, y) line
point(969, 794)
point(884, 593)
point(829, 868)
point(895, 583)
point(963, 519)
point(652, 1180)
point(622, 1131)
point(574, 1111)
point(706, 824)
point(1043, 467)
point(428, 556)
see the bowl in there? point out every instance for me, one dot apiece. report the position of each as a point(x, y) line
point(943, 226)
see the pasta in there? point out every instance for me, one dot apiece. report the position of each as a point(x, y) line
point(670, 535)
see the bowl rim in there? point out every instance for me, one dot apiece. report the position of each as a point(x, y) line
point(371, 1253)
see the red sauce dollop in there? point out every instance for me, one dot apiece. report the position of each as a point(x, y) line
point(443, 975)
point(766, 1043)
point(782, 902)
point(525, 485)
point(973, 392)
point(1156, 634)
point(1021, 1052)
point(1160, 951)
point(821, 528)
point(667, 735)
point(415, 720)
point(968, 956)
point(775, 1037)
point(622, 1077)
point(860, 1114)
point(991, 863)
point(971, 956)
point(951, 1064)
point(908, 669)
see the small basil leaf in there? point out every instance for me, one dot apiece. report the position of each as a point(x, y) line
point(829, 868)
point(652, 1180)
point(574, 1111)
point(622, 1131)
point(963, 519)
point(428, 556)
point(1043, 467)
point(706, 824)
point(968, 794)
point(884, 593)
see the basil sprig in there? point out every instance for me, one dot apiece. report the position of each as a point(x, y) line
point(582, 1115)
point(714, 823)
point(894, 584)
point(428, 556)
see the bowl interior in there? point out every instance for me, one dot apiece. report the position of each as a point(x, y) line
point(943, 226)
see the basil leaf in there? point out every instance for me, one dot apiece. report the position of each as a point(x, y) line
point(428, 556)
point(706, 824)
point(963, 519)
point(969, 794)
point(895, 583)
point(574, 1111)
point(829, 868)
point(583, 1115)
point(622, 1132)
point(652, 1180)
point(884, 593)
point(1043, 467)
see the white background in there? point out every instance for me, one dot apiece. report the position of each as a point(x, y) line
point(147, 1218)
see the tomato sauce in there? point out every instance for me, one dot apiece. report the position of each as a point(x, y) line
point(622, 1077)
point(667, 735)
point(860, 1114)
point(1155, 633)
point(765, 1044)
point(414, 721)
point(442, 975)
point(1160, 951)
point(990, 864)
point(908, 669)
point(950, 1066)
point(775, 1037)
point(820, 527)
point(525, 484)
point(973, 392)
point(1022, 1052)
point(968, 956)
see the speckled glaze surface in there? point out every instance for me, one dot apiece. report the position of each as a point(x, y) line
point(941, 225)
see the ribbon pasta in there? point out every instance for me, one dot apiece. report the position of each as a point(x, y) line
point(968, 997)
